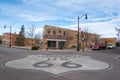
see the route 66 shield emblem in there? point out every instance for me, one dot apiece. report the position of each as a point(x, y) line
point(57, 64)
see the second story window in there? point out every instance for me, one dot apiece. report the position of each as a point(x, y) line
point(64, 33)
point(4, 36)
point(54, 32)
point(59, 31)
point(48, 31)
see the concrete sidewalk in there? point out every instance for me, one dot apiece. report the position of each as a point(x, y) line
point(64, 50)
point(53, 50)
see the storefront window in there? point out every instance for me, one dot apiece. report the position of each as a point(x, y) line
point(51, 44)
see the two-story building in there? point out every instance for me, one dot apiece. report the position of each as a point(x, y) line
point(59, 38)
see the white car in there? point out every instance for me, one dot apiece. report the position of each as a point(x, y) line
point(110, 46)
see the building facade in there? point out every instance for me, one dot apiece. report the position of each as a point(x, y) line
point(6, 39)
point(59, 38)
point(56, 38)
point(108, 41)
point(0, 39)
point(29, 42)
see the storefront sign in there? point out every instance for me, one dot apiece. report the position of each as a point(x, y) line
point(58, 37)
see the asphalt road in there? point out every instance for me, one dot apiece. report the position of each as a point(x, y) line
point(110, 56)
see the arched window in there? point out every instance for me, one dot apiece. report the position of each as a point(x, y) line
point(64, 33)
point(60, 32)
point(48, 31)
point(54, 32)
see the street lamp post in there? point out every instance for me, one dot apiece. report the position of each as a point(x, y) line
point(10, 35)
point(78, 34)
point(83, 39)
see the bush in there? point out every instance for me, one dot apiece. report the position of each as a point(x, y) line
point(73, 46)
point(35, 48)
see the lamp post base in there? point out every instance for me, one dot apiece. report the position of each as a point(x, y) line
point(9, 45)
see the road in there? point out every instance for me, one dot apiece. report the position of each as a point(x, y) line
point(109, 56)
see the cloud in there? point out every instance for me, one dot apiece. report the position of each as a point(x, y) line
point(105, 8)
point(35, 18)
point(103, 15)
point(104, 29)
point(39, 30)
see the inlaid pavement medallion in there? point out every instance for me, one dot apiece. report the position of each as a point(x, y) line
point(57, 64)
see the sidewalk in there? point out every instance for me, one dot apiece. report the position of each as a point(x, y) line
point(63, 51)
point(53, 50)
point(19, 47)
point(59, 50)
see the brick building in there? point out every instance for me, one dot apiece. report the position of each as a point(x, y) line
point(6, 39)
point(108, 40)
point(0, 39)
point(55, 37)
point(29, 42)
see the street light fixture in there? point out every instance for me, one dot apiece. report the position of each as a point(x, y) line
point(10, 35)
point(78, 44)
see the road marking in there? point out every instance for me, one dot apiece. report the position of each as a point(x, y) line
point(57, 64)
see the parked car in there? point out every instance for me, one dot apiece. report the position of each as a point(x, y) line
point(110, 46)
point(98, 46)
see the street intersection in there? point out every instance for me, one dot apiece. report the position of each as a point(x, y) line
point(21, 64)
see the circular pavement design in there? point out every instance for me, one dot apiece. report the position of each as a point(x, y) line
point(57, 64)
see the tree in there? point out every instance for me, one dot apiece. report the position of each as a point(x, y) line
point(21, 37)
point(31, 33)
point(38, 40)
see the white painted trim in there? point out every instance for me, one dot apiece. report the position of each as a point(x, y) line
point(56, 40)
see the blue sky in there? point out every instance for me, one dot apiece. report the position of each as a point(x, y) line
point(103, 15)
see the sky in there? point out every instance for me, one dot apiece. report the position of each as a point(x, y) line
point(103, 15)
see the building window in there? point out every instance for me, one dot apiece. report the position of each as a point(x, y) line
point(60, 31)
point(48, 31)
point(51, 44)
point(64, 33)
point(54, 32)
point(4, 36)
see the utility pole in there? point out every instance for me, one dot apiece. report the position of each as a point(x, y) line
point(78, 37)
